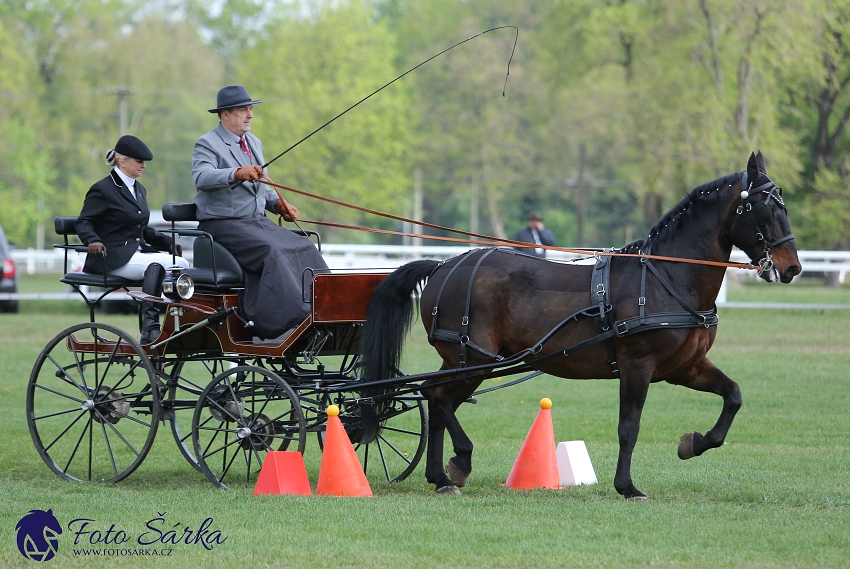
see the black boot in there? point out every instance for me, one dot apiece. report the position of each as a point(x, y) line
point(149, 321)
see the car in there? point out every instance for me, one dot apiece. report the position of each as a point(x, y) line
point(9, 282)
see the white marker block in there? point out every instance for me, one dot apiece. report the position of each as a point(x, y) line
point(574, 464)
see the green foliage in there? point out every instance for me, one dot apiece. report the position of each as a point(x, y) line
point(611, 112)
point(311, 69)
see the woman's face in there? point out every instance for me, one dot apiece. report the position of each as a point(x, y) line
point(132, 167)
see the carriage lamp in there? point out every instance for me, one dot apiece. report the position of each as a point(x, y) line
point(181, 288)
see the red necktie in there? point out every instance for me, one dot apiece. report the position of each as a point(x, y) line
point(244, 146)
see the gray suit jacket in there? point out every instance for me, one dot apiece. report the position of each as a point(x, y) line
point(214, 157)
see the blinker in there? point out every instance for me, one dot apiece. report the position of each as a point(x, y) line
point(762, 213)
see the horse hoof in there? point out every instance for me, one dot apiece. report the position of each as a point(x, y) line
point(686, 446)
point(449, 490)
point(456, 474)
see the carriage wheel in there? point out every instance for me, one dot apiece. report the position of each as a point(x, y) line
point(244, 413)
point(400, 442)
point(92, 404)
point(185, 381)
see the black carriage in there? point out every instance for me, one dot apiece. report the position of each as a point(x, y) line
point(96, 396)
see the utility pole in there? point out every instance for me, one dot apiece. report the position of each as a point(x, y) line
point(123, 93)
point(473, 206)
point(417, 207)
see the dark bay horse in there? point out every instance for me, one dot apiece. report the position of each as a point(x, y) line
point(496, 303)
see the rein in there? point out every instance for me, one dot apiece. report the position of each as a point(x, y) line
point(484, 239)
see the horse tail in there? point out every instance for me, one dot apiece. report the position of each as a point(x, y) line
point(389, 318)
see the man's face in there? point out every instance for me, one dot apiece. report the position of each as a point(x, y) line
point(238, 119)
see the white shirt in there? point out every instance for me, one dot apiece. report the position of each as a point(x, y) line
point(128, 181)
point(537, 240)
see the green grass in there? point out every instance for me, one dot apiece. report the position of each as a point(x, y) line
point(776, 495)
point(806, 290)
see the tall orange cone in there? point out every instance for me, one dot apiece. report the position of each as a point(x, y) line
point(283, 473)
point(536, 465)
point(340, 473)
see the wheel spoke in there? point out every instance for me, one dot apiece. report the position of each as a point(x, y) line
point(58, 413)
point(59, 393)
point(117, 432)
point(79, 440)
point(392, 447)
point(109, 448)
point(65, 430)
point(62, 373)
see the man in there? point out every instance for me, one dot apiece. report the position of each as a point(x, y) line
point(534, 232)
point(231, 205)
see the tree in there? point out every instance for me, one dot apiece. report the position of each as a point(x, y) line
point(309, 70)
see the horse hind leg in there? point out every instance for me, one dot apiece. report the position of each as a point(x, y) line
point(441, 411)
point(442, 418)
point(708, 378)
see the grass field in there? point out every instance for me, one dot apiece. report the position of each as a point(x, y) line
point(776, 495)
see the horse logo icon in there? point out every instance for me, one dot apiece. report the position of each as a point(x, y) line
point(38, 535)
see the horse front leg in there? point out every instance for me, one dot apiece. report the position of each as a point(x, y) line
point(705, 376)
point(633, 390)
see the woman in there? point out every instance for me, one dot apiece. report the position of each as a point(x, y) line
point(114, 225)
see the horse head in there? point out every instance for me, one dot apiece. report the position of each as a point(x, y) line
point(759, 225)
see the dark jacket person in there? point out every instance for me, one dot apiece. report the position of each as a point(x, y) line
point(534, 232)
point(114, 225)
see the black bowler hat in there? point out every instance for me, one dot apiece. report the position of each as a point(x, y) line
point(232, 96)
point(131, 146)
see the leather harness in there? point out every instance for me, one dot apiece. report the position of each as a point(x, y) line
point(602, 312)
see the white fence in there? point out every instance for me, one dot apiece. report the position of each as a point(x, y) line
point(391, 256)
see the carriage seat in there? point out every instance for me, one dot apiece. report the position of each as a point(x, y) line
point(213, 266)
point(67, 226)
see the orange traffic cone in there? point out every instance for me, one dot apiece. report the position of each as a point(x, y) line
point(340, 473)
point(536, 465)
point(283, 473)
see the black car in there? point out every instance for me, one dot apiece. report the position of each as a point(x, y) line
point(9, 282)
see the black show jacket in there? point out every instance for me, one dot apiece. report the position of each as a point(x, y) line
point(112, 216)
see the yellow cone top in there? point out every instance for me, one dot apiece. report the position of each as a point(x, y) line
point(333, 410)
point(545, 403)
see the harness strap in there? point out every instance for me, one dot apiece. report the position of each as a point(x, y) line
point(464, 323)
point(456, 338)
point(464, 256)
point(669, 288)
point(600, 286)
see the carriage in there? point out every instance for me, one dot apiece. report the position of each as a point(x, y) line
point(96, 397)
point(641, 314)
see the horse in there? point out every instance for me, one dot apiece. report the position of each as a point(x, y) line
point(490, 305)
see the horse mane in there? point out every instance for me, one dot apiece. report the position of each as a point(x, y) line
point(675, 217)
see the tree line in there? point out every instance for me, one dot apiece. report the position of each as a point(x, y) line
point(612, 110)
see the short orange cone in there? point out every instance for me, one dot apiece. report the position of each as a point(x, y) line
point(536, 465)
point(340, 473)
point(283, 473)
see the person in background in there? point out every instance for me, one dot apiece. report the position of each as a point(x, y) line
point(227, 164)
point(534, 232)
point(114, 225)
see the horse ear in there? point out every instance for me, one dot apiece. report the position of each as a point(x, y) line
point(760, 163)
point(752, 168)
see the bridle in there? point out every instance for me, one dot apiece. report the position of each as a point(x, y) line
point(760, 215)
